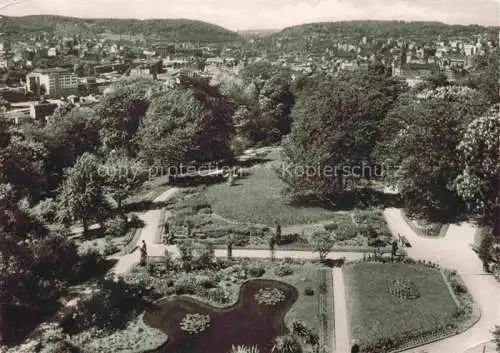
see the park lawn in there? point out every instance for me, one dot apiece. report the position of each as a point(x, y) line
point(375, 314)
point(258, 198)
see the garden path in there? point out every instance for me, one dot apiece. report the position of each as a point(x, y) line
point(151, 221)
point(342, 340)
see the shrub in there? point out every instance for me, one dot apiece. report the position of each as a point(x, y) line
point(205, 255)
point(346, 230)
point(186, 255)
point(330, 227)
point(134, 221)
point(206, 210)
point(299, 329)
point(458, 287)
point(60, 347)
point(308, 291)
point(288, 239)
point(241, 238)
point(283, 270)
point(109, 309)
point(115, 227)
point(195, 323)
point(47, 210)
point(286, 344)
point(256, 271)
point(205, 281)
point(110, 248)
point(185, 285)
point(269, 296)
point(89, 265)
point(218, 295)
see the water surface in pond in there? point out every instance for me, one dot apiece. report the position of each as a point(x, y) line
point(247, 322)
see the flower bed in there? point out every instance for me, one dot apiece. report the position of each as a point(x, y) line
point(269, 296)
point(195, 323)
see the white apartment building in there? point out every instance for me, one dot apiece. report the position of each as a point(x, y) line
point(53, 83)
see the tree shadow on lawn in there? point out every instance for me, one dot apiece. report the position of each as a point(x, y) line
point(253, 162)
point(245, 323)
point(143, 206)
point(359, 198)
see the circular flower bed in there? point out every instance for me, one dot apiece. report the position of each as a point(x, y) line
point(269, 296)
point(403, 289)
point(195, 323)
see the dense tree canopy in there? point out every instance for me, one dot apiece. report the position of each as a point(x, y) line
point(336, 125)
point(21, 163)
point(122, 177)
point(66, 139)
point(120, 112)
point(479, 152)
point(423, 133)
point(34, 264)
point(191, 122)
point(81, 197)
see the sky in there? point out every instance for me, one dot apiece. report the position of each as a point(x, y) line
point(267, 14)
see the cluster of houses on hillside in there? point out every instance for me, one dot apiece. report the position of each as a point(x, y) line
point(100, 62)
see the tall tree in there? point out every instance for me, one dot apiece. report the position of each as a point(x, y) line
point(345, 118)
point(479, 183)
point(66, 139)
point(191, 122)
point(22, 163)
point(121, 111)
point(423, 132)
point(122, 177)
point(322, 243)
point(82, 193)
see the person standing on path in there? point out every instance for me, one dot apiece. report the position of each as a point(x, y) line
point(272, 243)
point(144, 253)
point(166, 232)
point(278, 232)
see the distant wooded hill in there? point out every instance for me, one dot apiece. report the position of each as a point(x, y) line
point(320, 35)
point(184, 30)
point(181, 30)
point(386, 29)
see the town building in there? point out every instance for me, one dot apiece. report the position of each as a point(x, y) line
point(40, 111)
point(53, 83)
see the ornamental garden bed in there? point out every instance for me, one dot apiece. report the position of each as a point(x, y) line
point(193, 217)
point(392, 304)
point(426, 228)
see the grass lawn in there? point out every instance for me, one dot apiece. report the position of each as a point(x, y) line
point(258, 198)
point(374, 313)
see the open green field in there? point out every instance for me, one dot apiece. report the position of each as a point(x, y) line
point(259, 198)
point(374, 313)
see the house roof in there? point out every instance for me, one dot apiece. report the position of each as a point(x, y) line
point(50, 70)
